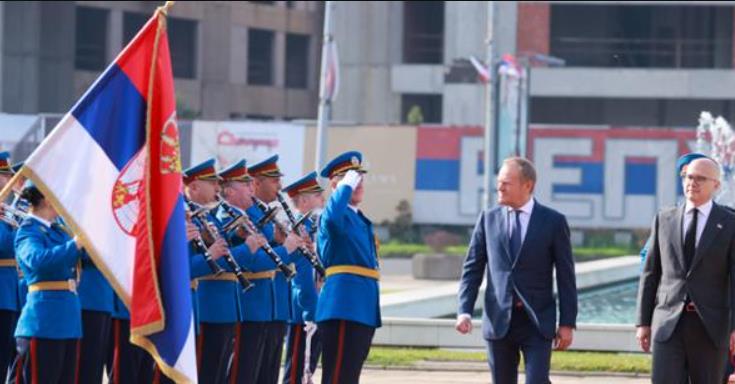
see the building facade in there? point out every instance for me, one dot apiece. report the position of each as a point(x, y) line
point(231, 60)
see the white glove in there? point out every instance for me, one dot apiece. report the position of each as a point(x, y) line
point(351, 178)
point(310, 327)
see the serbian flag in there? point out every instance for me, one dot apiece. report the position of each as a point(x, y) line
point(111, 168)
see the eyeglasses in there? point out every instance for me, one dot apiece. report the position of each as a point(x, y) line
point(696, 179)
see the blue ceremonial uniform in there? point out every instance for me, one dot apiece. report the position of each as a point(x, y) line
point(48, 254)
point(348, 309)
point(346, 238)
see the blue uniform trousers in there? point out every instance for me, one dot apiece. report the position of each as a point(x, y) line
point(345, 346)
point(126, 362)
point(45, 361)
point(293, 368)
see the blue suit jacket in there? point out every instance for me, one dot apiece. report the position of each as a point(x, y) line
point(346, 237)
point(9, 296)
point(48, 254)
point(546, 247)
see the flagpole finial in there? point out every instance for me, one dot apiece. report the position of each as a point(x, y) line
point(166, 7)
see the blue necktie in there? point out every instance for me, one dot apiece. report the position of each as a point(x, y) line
point(515, 236)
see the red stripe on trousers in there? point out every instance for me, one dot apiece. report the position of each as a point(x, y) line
point(235, 356)
point(116, 354)
point(340, 351)
point(156, 375)
point(295, 355)
point(34, 361)
point(19, 370)
point(200, 339)
point(78, 361)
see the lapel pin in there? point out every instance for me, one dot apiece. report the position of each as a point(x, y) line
point(719, 226)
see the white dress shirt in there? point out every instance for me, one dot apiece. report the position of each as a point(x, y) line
point(702, 216)
point(525, 218)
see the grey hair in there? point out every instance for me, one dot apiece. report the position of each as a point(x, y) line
point(528, 171)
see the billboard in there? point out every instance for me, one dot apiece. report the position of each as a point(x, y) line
point(229, 141)
point(599, 176)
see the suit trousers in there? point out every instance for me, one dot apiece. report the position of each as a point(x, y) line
point(689, 352)
point(46, 361)
point(523, 336)
point(94, 346)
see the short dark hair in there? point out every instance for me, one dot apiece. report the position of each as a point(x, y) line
point(528, 171)
point(32, 195)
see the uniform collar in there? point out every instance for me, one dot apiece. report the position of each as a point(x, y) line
point(40, 220)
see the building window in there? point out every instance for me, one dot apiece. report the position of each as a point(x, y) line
point(421, 108)
point(181, 39)
point(264, 2)
point(290, 4)
point(297, 60)
point(646, 36)
point(669, 113)
point(260, 57)
point(91, 38)
point(423, 32)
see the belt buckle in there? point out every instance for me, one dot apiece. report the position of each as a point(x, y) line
point(72, 285)
point(690, 307)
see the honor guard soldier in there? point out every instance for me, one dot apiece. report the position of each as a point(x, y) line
point(267, 183)
point(126, 362)
point(257, 303)
point(302, 341)
point(217, 295)
point(198, 266)
point(9, 299)
point(50, 323)
point(348, 309)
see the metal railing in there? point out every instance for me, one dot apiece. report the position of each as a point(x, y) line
point(643, 53)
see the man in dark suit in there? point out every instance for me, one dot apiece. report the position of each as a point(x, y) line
point(518, 244)
point(687, 288)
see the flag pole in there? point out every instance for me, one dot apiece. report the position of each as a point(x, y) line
point(325, 102)
point(489, 155)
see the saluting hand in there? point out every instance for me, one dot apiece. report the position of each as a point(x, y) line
point(218, 248)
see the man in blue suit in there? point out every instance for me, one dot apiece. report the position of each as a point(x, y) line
point(518, 244)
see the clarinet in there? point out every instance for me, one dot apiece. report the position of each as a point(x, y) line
point(198, 243)
point(242, 221)
point(213, 232)
point(297, 227)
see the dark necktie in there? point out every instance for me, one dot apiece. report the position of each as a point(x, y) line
point(690, 240)
point(515, 236)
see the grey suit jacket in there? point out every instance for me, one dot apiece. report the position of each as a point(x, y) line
point(709, 283)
